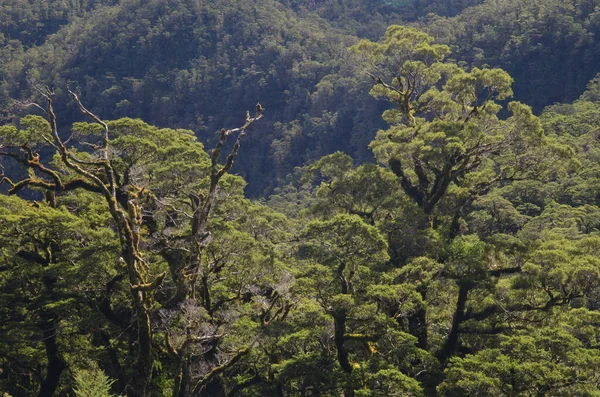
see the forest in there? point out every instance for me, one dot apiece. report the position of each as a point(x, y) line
point(297, 198)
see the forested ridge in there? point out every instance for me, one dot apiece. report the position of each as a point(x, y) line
point(299, 198)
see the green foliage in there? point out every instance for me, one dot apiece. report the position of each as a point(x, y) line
point(544, 361)
point(463, 262)
point(92, 383)
point(194, 64)
point(345, 238)
point(524, 38)
point(35, 132)
point(446, 141)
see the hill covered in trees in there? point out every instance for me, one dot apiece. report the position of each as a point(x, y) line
point(198, 65)
point(413, 209)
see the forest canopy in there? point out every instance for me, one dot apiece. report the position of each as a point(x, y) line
point(299, 198)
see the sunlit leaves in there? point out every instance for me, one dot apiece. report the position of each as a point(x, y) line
point(547, 360)
point(345, 239)
point(34, 132)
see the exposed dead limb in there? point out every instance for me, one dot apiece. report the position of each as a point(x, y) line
point(202, 204)
point(93, 117)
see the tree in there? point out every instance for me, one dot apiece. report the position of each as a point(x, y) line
point(144, 177)
point(449, 150)
point(92, 383)
point(445, 130)
point(346, 259)
point(52, 261)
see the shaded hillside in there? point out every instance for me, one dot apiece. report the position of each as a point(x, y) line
point(551, 47)
point(192, 64)
point(202, 64)
point(30, 21)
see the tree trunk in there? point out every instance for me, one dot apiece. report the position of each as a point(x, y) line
point(417, 326)
point(339, 321)
point(144, 362)
point(56, 364)
point(451, 344)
